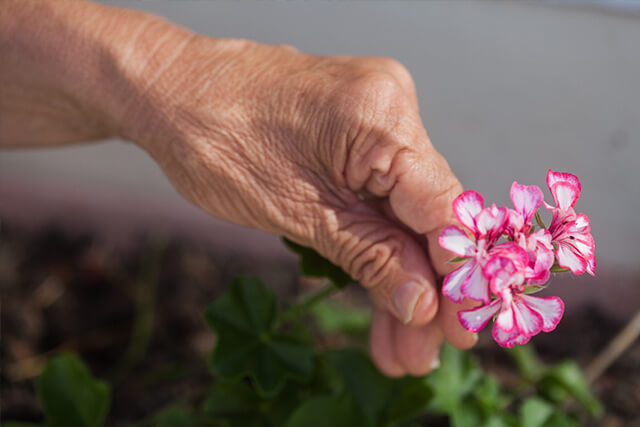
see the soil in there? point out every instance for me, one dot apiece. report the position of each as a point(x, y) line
point(134, 315)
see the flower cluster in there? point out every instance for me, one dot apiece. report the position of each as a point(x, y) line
point(506, 258)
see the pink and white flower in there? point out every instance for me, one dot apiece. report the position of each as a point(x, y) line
point(526, 200)
point(486, 226)
point(498, 274)
point(519, 316)
point(570, 232)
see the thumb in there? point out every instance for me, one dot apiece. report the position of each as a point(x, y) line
point(387, 261)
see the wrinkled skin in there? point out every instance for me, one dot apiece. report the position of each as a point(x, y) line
point(327, 151)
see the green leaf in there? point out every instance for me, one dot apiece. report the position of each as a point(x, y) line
point(527, 361)
point(239, 405)
point(454, 380)
point(331, 318)
point(326, 411)
point(471, 412)
point(175, 416)
point(489, 396)
point(467, 414)
point(532, 289)
point(410, 397)
point(569, 377)
point(369, 388)
point(559, 419)
point(70, 396)
point(502, 420)
point(312, 264)
point(557, 269)
point(382, 400)
point(458, 259)
point(229, 398)
point(534, 412)
point(248, 344)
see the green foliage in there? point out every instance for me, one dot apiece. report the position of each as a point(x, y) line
point(269, 375)
point(381, 400)
point(535, 412)
point(529, 366)
point(333, 318)
point(465, 393)
point(244, 319)
point(313, 264)
point(325, 411)
point(70, 396)
point(174, 416)
point(566, 380)
point(237, 404)
point(454, 380)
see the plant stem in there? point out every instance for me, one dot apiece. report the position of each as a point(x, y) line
point(540, 221)
point(144, 290)
point(297, 309)
point(616, 347)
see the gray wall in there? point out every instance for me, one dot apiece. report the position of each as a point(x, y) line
point(507, 90)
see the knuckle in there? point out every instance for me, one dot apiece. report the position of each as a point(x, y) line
point(372, 259)
point(397, 70)
point(375, 89)
point(386, 167)
point(286, 48)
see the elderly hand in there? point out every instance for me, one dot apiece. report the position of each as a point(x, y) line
point(327, 151)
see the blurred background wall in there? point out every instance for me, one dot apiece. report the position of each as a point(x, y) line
point(507, 90)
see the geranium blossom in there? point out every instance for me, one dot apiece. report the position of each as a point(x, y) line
point(526, 200)
point(570, 232)
point(499, 273)
point(519, 316)
point(486, 225)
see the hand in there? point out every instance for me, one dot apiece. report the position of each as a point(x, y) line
point(327, 151)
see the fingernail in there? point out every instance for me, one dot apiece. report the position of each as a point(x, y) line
point(405, 299)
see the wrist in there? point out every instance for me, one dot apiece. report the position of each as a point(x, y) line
point(158, 71)
point(174, 68)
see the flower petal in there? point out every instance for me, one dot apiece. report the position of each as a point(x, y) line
point(526, 199)
point(453, 281)
point(528, 322)
point(580, 225)
point(555, 177)
point(477, 318)
point(541, 239)
point(515, 223)
point(467, 206)
point(569, 258)
point(508, 339)
point(476, 286)
point(565, 195)
point(541, 258)
point(505, 319)
point(506, 266)
point(456, 240)
point(539, 272)
point(591, 268)
point(492, 221)
point(549, 308)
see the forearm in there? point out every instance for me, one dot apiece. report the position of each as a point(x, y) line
point(72, 71)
